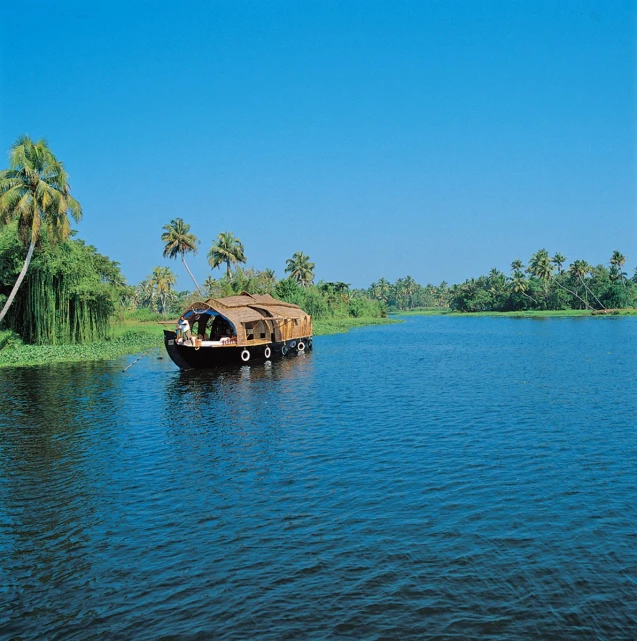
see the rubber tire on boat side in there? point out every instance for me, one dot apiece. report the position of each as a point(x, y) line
point(267, 352)
point(284, 349)
point(245, 355)
point(301, 346)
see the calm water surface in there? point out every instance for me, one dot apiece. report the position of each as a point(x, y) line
point(468, 478)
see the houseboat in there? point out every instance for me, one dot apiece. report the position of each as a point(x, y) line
point(238, 329)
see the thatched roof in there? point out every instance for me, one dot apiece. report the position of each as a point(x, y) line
point(285, 319)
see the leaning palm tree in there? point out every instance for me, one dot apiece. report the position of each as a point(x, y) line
point(580, 269)
point(300, 268)
point(226, 249)
point(162, 280)
point(519, 284)
point(179, 242)
point(34, 191)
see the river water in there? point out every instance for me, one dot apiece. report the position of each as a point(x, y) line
point(446, 478)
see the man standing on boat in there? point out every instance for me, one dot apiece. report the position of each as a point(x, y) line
point(183, 330)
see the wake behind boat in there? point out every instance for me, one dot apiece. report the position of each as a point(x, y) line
point(238, 329)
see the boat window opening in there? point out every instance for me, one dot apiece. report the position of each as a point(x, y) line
point(221, 329)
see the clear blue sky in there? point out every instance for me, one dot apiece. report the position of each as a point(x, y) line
point(431, 138)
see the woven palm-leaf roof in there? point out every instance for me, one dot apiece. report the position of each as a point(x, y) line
point(245, 310)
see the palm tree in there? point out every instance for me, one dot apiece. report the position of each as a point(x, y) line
point(540, 266)
point(580, 269)
point(381, 290)
point(517, 265)
point(617, 261)
point(179, 242)
point(227, 249)
point(162, 280)
point(145, 294)
point(35, 192)
point(300, 268)
point(409, 286)
point(558, 260)
point(519, 283)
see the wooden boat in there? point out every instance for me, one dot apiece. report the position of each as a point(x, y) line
point(239, 329)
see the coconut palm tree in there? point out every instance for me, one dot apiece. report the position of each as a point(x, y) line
point(517, 265)
point(540, 266)
point(300, 268)
point(519, 283)
point(617, 261)
point(35, 191)
point(179, 242)
point(381, 290)
point(226, 249)
point(558, 260)
point(162, 280)
point(580, 269)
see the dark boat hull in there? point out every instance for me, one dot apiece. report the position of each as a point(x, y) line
point(186, 357)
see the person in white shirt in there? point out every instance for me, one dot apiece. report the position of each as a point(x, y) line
point(183, 330)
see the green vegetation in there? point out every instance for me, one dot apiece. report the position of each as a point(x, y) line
point(70, 294)
point(179, 242)
point(342, 325)
point(531, 313)
point(544, 285)
point(406, 294)
point(63, 301)
point(300, 268)
point(35, 195)
point(128, 338)
point(226, 249)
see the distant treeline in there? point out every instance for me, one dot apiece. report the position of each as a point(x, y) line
point(324, 300)
point(546, 283)
point(406, 294)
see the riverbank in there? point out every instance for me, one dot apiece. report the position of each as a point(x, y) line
point(546, 313)
point(130, 337)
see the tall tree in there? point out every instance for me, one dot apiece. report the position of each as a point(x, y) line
point(162, 280)
point(519, 284)
point(300, 268)
point(541, 267)
point(580, 269)
point(558, 260)
point(226, 249)
point(617, 261)
point(179, 242)
point(35, 191)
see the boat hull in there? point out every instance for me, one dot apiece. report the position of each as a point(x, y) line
point(187, 357)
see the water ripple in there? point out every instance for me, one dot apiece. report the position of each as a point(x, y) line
point(441, 479)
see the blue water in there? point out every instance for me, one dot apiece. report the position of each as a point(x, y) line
point(446, 478)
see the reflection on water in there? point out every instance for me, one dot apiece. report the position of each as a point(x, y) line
point(446, 478)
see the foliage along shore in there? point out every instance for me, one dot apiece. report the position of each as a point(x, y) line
point(530, 313)
point(130, 338)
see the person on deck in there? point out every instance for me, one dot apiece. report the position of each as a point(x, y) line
point(183, 330)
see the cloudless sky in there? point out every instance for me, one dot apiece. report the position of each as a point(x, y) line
point(432, 138)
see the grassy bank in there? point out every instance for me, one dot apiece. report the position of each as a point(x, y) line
point(520, 314)
point(342, 325)
point(130, 337)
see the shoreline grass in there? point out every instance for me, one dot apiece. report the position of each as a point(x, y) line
point(130, 337)
point(343, 325)
point(545, 313)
